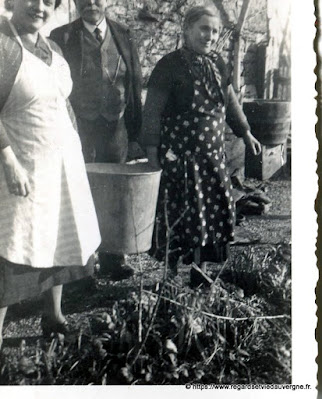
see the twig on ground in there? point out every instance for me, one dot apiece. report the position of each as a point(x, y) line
point(220, 271)
point(217, 316)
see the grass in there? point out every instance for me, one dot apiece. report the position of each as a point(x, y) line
point(237, 331)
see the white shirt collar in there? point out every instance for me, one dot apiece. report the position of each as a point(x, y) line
point(102, 26)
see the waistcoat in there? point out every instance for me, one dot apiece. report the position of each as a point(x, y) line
point(103, 70)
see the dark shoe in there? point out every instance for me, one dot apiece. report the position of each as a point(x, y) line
point(51, 329)
point(109, 262)
point(114, 267)
point(122, 273)
point(199, 276)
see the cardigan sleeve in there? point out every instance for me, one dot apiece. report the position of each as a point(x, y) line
point(161, 77)
point(235, 116)
point(159, 87)
point(10, 60)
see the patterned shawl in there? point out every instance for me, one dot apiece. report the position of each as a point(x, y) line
point(203, 68)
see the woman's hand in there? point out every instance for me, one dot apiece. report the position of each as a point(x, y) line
point(152, 153)
point(252, 143)
point(16, 176)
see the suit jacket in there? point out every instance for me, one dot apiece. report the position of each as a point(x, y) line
point(69, 38)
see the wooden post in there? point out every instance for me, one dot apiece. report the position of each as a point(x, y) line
point(237, 46)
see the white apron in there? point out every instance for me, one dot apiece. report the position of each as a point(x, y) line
point(56, 224)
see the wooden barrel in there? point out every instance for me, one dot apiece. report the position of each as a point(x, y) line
point(270, 120)
point(125, 198)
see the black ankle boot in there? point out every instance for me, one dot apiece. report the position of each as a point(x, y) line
point(52, 328)
point(114, 266)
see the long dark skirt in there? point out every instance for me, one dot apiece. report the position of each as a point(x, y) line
point(19, 282)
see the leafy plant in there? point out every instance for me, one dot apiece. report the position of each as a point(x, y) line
point(237, 331)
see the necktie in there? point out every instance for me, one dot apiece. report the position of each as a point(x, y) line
point(98, 35)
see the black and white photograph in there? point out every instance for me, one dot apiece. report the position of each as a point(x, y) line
point(158, 185)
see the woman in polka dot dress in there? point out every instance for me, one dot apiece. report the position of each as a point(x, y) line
point(188, 103)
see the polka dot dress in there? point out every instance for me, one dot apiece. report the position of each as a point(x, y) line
point(195, 184)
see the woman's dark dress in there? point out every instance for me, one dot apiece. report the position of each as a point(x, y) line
point(195, 183)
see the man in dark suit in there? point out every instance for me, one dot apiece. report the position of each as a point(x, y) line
point(106, 95)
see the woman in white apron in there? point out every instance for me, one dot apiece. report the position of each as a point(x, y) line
point(49, 228)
